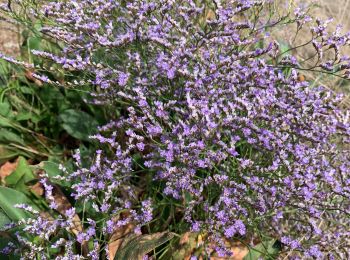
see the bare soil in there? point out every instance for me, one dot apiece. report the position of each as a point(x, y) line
point(9, 36)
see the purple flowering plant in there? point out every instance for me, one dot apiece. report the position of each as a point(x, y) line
point(211, 131)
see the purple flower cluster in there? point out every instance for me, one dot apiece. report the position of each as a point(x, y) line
point(242, 145)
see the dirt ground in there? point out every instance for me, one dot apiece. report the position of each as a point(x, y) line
point(9, 40)
point(9, 36)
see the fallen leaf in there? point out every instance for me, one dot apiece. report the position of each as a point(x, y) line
point(188, 244)
point(192, 243)
point(210, 15)
point(38, 189)
point(7, 168)
point(238, 250)
point(136, 247)
point(59, 198)
point(301, 77)
point(63, 205)
point(117, 239)
point(46, 215)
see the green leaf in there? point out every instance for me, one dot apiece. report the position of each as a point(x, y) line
point(25, 116)
point(20, 176)
point(4, 108)
point(7, 154)
point(7, 136)
point(5, 238)
point(52, 169)
point(284, 48)
point(78, 124)
point(52, 96)
point(135, 248)
point(9, 198)
point(38, 26)
point(5, 122)
point(34, 43)
point(264, 250)
point(4, 219)
point(26, 90)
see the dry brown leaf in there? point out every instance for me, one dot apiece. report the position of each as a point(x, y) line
point(239, 251)
point(59, 198)
point(301, 77)
point(210, 16)
point(117, 238)
point(63, 205)
point(136, 247)
point(185, 238)
point(29, 76)
point(7, 168)
point(190, 242)
point(38, 189)
point(46, 215)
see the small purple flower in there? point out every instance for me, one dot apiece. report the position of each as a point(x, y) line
point(230, 231)
point(140, 146)
point(123, 78)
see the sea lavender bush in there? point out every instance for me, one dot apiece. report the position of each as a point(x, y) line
point(214, 122)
